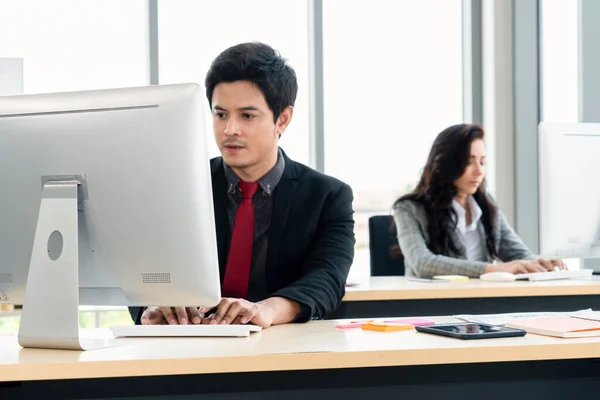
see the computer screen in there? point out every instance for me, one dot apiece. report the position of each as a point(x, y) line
point(569, 195)
point(106, 200)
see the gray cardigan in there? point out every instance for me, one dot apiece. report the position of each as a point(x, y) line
point(411, 224)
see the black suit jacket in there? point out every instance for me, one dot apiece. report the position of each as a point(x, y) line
point(311, 238)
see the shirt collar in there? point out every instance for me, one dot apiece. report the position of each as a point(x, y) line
point(267, 182)
point(462, 214)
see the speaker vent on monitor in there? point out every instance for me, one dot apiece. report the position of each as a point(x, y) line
point(156, 277)
point(6, 278)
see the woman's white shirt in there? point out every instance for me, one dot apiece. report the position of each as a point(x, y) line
point(473, 240)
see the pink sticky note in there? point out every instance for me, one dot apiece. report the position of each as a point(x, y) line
point(353, 324)
point(411, 321)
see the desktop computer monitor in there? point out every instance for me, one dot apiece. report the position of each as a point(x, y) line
point(106, 199)
point(569, 190)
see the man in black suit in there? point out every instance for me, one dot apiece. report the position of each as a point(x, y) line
point(285, 232)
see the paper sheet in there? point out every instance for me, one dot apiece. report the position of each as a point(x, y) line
point(501, 319)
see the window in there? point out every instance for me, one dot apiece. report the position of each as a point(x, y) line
point(559, 66)
point(559, 60)
point(393, 81)
point(76, 45)
point(193, 33)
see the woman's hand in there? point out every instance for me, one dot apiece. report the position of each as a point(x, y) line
point(552, 265)
point(518, 267)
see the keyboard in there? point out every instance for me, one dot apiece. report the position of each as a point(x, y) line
point(184, 330)
point(554, 275)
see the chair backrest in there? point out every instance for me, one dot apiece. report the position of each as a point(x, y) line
point(381, 240)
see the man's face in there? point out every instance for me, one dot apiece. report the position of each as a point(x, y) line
point(243, 125)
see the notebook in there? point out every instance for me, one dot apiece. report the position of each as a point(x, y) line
point(560, 326)
point(501, 319)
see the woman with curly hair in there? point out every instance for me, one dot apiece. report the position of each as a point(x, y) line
point(450, 225)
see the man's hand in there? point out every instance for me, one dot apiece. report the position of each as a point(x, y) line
point(271, 311)
point(240, 311)
point(171, 316)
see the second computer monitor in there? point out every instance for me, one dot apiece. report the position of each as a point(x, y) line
point(569, 195)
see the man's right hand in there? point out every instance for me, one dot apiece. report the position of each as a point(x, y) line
point(171, 316)
point(517, 267)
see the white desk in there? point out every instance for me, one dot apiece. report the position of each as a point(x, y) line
point(401, 288)
point(398, 296)
point(315, 356)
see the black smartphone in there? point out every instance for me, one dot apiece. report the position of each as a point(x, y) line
point(471, 330)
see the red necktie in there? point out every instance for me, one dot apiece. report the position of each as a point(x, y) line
point(237, 271)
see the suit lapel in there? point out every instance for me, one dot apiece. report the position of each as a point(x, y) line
point(219, 185)
point(282, 201)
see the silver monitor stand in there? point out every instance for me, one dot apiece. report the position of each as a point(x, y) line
point(50, 316)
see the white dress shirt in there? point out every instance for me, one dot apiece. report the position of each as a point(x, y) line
point(474, 243)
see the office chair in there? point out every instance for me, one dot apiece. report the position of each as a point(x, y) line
point(382, 238)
